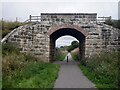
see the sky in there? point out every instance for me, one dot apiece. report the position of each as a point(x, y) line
point(119, 10)
point(10, 9)
point(22, 10)
point(65, 41)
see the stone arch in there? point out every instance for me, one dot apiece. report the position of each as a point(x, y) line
point(66, 29)
point(57, 27)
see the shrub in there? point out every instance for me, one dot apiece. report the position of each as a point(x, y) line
point(76, 57)
point(8, 26)
point(60, 54)
point(73, 45)
point(25, 71)
point(114, 23)
point(9, 48)
point(104, 68)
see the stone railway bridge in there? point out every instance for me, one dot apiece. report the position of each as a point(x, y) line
point(38, 37)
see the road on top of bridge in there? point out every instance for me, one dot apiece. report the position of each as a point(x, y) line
point(70, 75)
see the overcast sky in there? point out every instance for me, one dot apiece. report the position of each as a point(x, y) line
point(65, 41)
point(10, 9)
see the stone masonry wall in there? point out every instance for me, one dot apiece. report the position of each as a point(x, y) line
point(33, 38)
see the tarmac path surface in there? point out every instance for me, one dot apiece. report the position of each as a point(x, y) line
point(70, 75)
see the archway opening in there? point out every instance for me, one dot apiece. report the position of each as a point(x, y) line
point(65, 41)
point(65, 45)
point(67, 31)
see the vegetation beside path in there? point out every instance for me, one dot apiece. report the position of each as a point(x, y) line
point(25, 71)
point(102, 70)
point(75, 53)
point(60, 53)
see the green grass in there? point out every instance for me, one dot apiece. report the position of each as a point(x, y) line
point(75, 56)
point(103, 71)
point(101, 83)
point(25, 71)
point(60, 54)
point(60, 57)
point(8, 26)
point(35, 75)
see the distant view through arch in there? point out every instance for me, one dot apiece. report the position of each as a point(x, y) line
point(65, 41)
point(63, 30)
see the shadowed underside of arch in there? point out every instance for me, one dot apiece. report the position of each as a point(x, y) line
point(60, 30)
point(57, 27)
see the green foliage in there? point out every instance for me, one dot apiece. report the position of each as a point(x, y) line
point(70, 48)
point(4, 32)
point(73, 45)
point(35, 75)
point(101, 83)
point(114, 23)
point(8, 26)
point(102, 69)
point(25, 71)
point(60, 54)
point(75, 56)
point(9, 48)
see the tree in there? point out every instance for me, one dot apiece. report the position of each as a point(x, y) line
point(74, 42)
point(73, 45)
point(114, 23)
point(61, 46)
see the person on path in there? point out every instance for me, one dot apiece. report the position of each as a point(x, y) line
point(67, 58)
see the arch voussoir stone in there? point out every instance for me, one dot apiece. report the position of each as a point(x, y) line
point(57, 27)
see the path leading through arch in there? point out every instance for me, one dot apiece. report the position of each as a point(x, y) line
point(70, 75)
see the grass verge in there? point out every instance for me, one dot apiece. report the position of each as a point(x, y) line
point(75, 56)
point(25, 71)
point(60, 54)
point(101, 83)
point(35, 75)
point(102, 71)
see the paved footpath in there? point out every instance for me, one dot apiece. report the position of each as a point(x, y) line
point(70, 75)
